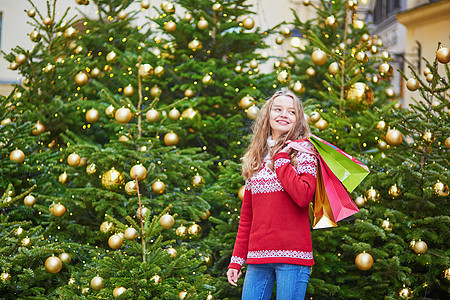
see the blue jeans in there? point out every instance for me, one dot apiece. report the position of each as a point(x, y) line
point(292, 281)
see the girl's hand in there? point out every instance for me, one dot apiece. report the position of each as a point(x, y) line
point(288, 148)
point(233, 276)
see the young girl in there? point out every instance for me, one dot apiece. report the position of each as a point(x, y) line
point(274, 230)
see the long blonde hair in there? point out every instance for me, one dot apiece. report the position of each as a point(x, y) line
point(258, 149)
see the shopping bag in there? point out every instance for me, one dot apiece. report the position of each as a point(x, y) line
point(323, 216)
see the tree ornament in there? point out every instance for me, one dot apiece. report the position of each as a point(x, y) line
point(386, 70)
point(119, 291)
point(248, 23)
point(158, 187)
point(26, 242)
point(319, 57)
point(387, 225)
point(359, 96)
point(195, 231)
point(306, 2)
point(49, 68)
point(171, 139)
point(172, 251)
point(279, 40)
point(97, 283)
point(405, 293)
point(372, 194)
point(5, 276)
point(152, 115)
point(331, 21)
point(241, 192)
point(111, 57)
point(53, 264)
point(17, 155)
point(31, 13)
point(360, 201)
point(333, 68)
point(373, 49)
point(92, 116)
point(207, 79)
point(106, 227)
point(253, 112)
point(63, 178)
point(429, 77)
point(58, 210)
point(322, 124)
point(21, 58)
point(47, 21)
point(38, 128)
point(168, 7)
point(420, 247)
point(166, 221)
point(13, 65)
point(362, 57)
point(189, 93)
point(115, 241)
point(195, 45)
point(170, 26)
point(128, 90)
point(145, 4)
point(73, 160)
point(91, 169)
point(358, 24)
point(447, 274)
point(198, 180)
point(122, 15)
point(443, 55)
point(190, 113)
point(238, 69)
point(315, 117)
point(5, 121)
point(112, 180)
point(283, 77)
point(381, 125)
point(18, 231)
point(29, 201)
point(253, 64)
point(412, 84)
point(123, 115)
point(81, 79)
point(110, 111)
point(428, 136)
point(390, 93)
point(70, 33)
point(352, 4)
point(441, 189)
point(202, 24)
point(310, 72)
point(95, 72)
point(65, 257)
point(131, 188)
point(205, 215)
point(447, 142)
point(394, 137)
point(187, 16)
point(382, 145)
point(364, 261)
point(35, 36)
point(174, 114)
point(298, 87)
point(82, 2)
point(130, 233)
point(290, 60)
point(181, 231)
point(155, 91)
point(138, 171)
point(145, 71)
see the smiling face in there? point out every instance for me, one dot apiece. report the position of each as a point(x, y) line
point(282, 116)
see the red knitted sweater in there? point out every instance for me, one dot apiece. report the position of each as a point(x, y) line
point(274, 224)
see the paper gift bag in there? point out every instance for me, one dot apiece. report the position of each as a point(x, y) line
point(323, 216)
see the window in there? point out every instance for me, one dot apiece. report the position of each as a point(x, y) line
point(1, 19)
point(386, 8)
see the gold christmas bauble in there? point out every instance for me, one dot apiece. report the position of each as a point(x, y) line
point(319, 57)
point(53, 264)
point(155, 91)
point(331, 21)
point(158, 187)
point(428, 136)
point(286, 32)
point(91, 169)
point(198, 180)
point(248, 23)
point(138, 171)
point(386, 70)
point(373, 49)
point(168, 7)
point(49, 67)
point(156, 278)
point(364, 261)
point(112, 180)
point(447, 274)
point(58, 210)
point(207, 79)
point(283, 77)
point(131, 187)
point(110, 111)
point(111, 57)
point(122, 15)
point(405, 293)
point(187, 16)
point(182, 295)
point(307, 118)
point(447, 142)
point(70, 33)
point(35, 36)
point(381, 125)
point(290, 60)
point(443, 55)
point(352, 4)
point(429, 77)
point(420, 247)
point(382, 145)
point(360, 201)
point(306, 2)
point(238, 69)
point(172, 251)
point(95, 72)
point(97, 283)
point(359, 96)
point(362, 57)
point(170, 26)
point(106, 226)
point(115, 241)
point(217, 7)
point(205, 215)
point(17, 155)
point(321, 124)
point(246, 102)
point(412, 84)
point(315, 117)
point(375, 79)
point(189, 93)
point(145, 71)
point(81, 79)
point(13, 65)
point(333, 68)
point(181, 231)
point(202, 24)
point(387, 225)
point(18, 231)
point(152, 115)
point(174, 114)
point(65, 257)
point(26, 242)
point(279, 40)
point(372, 194)
point(394, 137)
point(253, 112)
point(190, 113)
point(358, 24)
point(390, 93)
point(194, 231)
point(5, 276)
point(159, 71)
point(63, 178)
point(38, 128)
point(31, 13)
point(21, 58)
point(394, 191)
point(119, 291)
point(123, 115)
point(426, 71)
point(253, 64)
point(130, 233)
point(145, 4)
point(171, 139)
point(128, 90)
point(441, 188)
point(298, 87)
point(241, 192)
point(166, 221)
point(310, 72)
point(195, 45)
point(29, 201)
point(73, 160)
